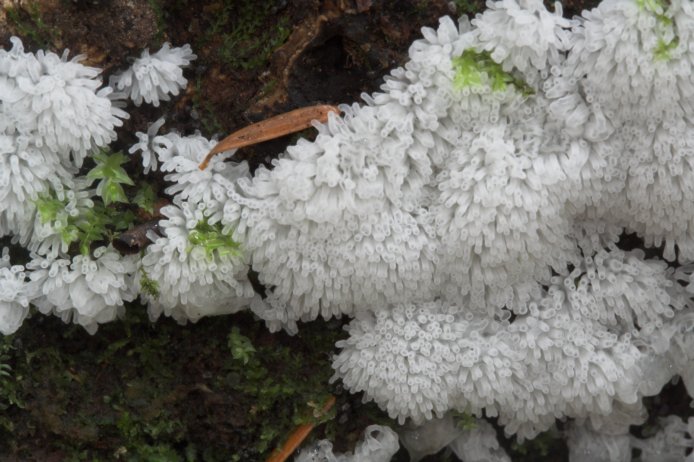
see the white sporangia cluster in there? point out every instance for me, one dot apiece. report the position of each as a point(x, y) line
point(56, 102)
point(496, 241)
point(145, 145)
point(400, 199)
point(420, 360)
point(45, 235)
point(154, 78)
point(334, 225)
point(621, 289)
point(588, 445)
point(340, 224)
point(53, 113)
point(379, 444)
point(193, 269)
point(180, 157)
point(679, 353)
point(523, 36)
point(467, 216)
point(408, 351)
point(479, 444)
point(26, 172)
point(87, 290)
point(471, 440)
point(673, 442)
point(15, 294)
point(631, 62)
point(669, 442)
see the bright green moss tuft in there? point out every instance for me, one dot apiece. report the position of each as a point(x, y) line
point(149, 286)
point(211, 238)
point(663, 49)
point(478, 69)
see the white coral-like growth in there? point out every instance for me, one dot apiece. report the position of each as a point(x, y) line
point(479, 444)
point(181, 156)
point(26, 172)
point(432, 186)
point(523, 35)
point(632, 61)
point(500, 216)
point(55, 213)
point(587, 445)
point(194, 269)
point(670, 444)
point(417, 361)
point(57, 102)
point(85, 290)
point(620, 288)
point(410, 352)
point(430, 437)
point(146, 145)
point(153, 78)
point(336, 226)
point(379, 444)
point(15, 295)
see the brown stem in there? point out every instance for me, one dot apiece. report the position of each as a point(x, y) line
point(274, 127)
point(298, 436)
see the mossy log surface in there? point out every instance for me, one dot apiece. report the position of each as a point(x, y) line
point(225, 388)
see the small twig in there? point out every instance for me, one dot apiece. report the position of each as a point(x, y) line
point(274, 127)
point(299, 435)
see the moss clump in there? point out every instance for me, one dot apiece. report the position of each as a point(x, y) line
point(549, 443)
point(667, 40)
point(468, 7)
point(212, 239)
point(281, 387)
point(149, 286)
point(475, 69)
point(145, 392)
point(28, 23)
point(245, 33)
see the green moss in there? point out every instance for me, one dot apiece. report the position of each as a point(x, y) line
point(245, 33)
point(549, 442)
point(144, 392)
point(51, 209)
point(663, 25)
point(111, 176)
point(284, 389)
point(241, 347)
point(212, 239)
point(159, 10)
point(10, 394)
point(28, 23)
point(654, 6)
point(465, 421)
point(468, 7)
point(477, 69)
point(663, 49)
point(87, 227)
point(148, 285)
point(145, 198)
